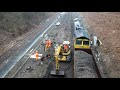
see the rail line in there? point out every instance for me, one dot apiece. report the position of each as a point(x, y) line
point(86, 65)
point(86, 61)
point(96, 57)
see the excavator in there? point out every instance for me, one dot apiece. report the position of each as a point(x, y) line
point(62, 52)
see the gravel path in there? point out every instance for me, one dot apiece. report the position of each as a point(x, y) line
point(84, 65)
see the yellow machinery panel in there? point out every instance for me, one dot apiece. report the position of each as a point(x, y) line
point(60, 55)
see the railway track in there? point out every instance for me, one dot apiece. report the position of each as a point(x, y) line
point(96, 58)
point(85, 65)
point(67, 67)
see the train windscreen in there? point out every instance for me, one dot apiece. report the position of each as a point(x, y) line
point(85, 42)
point(78, 42)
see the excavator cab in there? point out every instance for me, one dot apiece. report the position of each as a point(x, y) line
point(62, 53)
point(66, 48)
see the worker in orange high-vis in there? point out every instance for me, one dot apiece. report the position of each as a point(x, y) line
point(49, 43)
point(36, 54)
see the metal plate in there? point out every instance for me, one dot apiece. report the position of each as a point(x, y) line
point(61, 73)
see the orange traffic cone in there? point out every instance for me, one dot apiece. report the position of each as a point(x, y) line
point(36, 54)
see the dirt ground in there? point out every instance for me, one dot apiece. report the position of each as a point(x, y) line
point(7, 40)
point(106, 25)
point(8, 44)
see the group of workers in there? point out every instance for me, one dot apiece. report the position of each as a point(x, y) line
point(48, 44)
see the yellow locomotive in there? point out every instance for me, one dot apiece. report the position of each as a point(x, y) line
point(81, 40)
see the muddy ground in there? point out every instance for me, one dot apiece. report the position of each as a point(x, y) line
point(106, 25)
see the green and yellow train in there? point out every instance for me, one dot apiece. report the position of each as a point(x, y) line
point(81, 37)
point(81, 40)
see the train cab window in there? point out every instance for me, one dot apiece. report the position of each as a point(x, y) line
point(85, 42)
point(79, 42)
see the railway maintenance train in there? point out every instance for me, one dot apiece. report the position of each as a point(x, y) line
point(82, 39)
point(81, 36)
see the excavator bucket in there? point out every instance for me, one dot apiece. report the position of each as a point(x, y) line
point(55, 73)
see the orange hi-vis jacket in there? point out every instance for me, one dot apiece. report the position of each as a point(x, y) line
point(48, 43)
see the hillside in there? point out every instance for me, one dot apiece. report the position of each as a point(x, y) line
point(106, 25)
point(14, 26)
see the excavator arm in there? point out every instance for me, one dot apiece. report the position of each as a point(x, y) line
point(56, 55)
point(57, 52)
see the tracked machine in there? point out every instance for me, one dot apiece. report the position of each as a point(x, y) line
point(62, 53)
